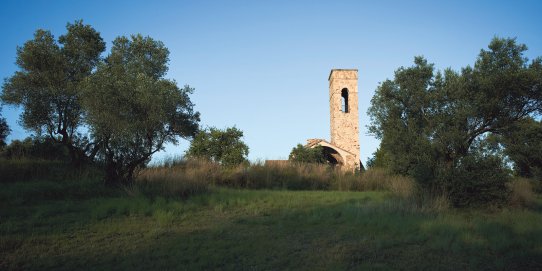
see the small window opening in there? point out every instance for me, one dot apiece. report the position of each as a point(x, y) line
point(344, 100)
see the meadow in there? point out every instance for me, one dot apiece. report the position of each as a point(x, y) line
point(197, 216)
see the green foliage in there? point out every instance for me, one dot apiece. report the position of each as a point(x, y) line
point(222, 146)
point(379, 160)
point(398, 117)
point(429, 122)
point(48, 84)
point(130, 110)
point(477, 181)
point(302, 154)
point(43, 148)
point(4, 132)
point(523, 144)
point(133, 109)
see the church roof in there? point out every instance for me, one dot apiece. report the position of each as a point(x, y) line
point(317, 141)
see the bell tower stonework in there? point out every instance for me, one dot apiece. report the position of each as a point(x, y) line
point(343, 106)
point(343, 150)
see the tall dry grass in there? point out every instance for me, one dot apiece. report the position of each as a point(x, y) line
point(522, 193)
point(381, 179)
point(286, 176)
point(186, 177)
point(180, 179)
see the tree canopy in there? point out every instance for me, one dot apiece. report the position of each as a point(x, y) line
point(429, 121)
point(222, 146)
point(48, 83)
point(302, 154)
point(523, 145)
point(120, 108)
point(133, 109)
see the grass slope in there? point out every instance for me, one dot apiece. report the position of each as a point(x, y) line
point(231, 229)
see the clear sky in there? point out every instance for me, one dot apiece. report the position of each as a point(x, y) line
point(263, 65)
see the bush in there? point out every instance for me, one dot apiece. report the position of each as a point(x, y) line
point(477, 181)
point(302, 154)
point(36, 149)
point(23, 170)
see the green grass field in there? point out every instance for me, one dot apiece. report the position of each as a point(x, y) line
point(63, 226)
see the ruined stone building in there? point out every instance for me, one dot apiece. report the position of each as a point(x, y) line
point(343, 150)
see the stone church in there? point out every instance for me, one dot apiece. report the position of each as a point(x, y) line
point(343, 150)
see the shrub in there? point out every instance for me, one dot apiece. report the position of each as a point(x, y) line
point(477, 181)
point(36, 148)
point(302, 154)
point(22, 170)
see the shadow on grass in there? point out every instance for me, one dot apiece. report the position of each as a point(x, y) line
point(238, 230)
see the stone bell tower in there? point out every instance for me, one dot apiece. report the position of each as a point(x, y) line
point(343, 105)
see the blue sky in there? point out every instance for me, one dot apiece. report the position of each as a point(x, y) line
point(263, 65)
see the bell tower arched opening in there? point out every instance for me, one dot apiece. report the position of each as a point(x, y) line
point(344, 100)
point(333, 157)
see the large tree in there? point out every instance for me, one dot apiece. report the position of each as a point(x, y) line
point(48, 84)
point(133, 109)
point(429, 122)
point(222, 146)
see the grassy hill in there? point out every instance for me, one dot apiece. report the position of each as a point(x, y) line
point(79, 225)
